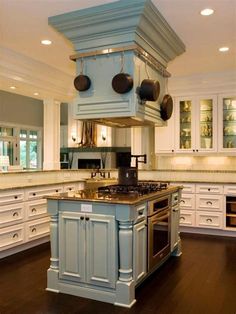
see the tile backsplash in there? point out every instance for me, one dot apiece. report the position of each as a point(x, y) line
point(196, 163)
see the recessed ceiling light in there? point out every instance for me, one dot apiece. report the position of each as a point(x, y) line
point(36, 94)
point(207, 12)
point(46, 42)
point(12, 87)
point(224, 49)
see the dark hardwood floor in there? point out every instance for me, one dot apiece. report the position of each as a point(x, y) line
point(201, 281)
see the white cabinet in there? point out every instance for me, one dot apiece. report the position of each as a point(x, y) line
point(11, 236)
point(140, 250)
point(39, 192)
point(196, 124)
point(87, 248)
point(209, 220)
point(37, 228)
point(187, 218)
point(165, 137)
point(209, 202)
point(227, 123)
point(122, 137)
point(12, 214)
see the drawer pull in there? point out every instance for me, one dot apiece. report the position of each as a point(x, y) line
point(15, 214)
point(182, 218)
point(15, 236)
point(182, 201)
point(15, 197)
point(33, 230)
point(82, 218)
point(87, 218)
point(56, 191)
point(34, 194)
point(209, 189)
point(33, 210)
point(209, 203)
point(175, 210)
point(209, 220)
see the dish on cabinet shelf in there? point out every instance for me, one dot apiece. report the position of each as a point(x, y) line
point(187, 132)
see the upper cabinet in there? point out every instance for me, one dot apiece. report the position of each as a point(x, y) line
point(196, 122)
point(227, 123)
point(200, 125)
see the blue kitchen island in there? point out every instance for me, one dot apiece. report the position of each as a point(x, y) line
point(104, 244)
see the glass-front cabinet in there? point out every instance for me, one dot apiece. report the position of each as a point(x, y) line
point(227, 123)
point(196, 124)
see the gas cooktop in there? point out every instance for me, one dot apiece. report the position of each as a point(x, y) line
point(142, 188)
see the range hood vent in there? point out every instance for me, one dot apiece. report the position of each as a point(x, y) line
point(101, 34)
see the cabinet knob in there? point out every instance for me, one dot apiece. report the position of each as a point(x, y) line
point(193, 150)
point(56, 191)
point(196, 150)
point(33, 210)
point(33, 229)
point(15, 197)
point(87, 218)
point(34, 194)
point(209, 189)
point(172, 151)
point(209, 203)
point(15, 235)
point(82, 218)
point(15, 214)
point(209, 220)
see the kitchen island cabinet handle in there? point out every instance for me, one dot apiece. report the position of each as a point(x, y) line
point(82, 218)
point(87, 218)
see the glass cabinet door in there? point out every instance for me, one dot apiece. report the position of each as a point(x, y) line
point(185, 124)
point(229, 123)
point(206, 119)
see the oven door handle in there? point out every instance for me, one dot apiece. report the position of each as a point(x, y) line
point(160, 216)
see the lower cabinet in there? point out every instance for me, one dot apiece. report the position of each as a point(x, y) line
point(139, 251)
point(87, 248)
point(209, 220)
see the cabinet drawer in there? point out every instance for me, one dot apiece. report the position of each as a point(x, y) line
point(230, 189)
point(187, 218)
point(36, 209)
point(209, 202)
point(209, 220)
point(37, 228)
point(187, 201)
point(11, 214)
point(11, 197)
point(11, 236)
point(70, 187)
point(187, 187)
point(37, 193)
point(209, 188)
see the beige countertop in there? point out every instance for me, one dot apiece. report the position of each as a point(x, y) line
point(96, 197)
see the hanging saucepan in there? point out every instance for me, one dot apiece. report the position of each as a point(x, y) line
point(82, 82)
point(166, 107)
point(149, 89)
point(122, 82)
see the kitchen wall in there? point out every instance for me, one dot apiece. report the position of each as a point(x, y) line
point(21, 110)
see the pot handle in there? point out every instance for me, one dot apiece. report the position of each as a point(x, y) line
point(81, 66)
point(146, 70)
point(122, 61)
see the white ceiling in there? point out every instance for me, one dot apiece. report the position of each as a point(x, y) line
point(23, 24)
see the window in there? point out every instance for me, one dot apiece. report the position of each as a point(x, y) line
point(29, 148)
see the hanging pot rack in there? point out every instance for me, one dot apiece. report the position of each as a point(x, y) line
point(141, 53)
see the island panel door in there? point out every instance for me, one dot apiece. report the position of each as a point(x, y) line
point(72, 246)
point(101, 250)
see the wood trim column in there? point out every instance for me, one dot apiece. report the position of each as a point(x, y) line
point(51, 132)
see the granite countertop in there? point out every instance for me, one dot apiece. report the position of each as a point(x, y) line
point(96, 197)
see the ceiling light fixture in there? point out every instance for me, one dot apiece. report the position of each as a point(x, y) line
point(207, 12)
point(46, 42)
point(36, 94)
point(12, 87)
point(224, 49)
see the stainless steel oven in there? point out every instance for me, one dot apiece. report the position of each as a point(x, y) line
point(159, 224)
